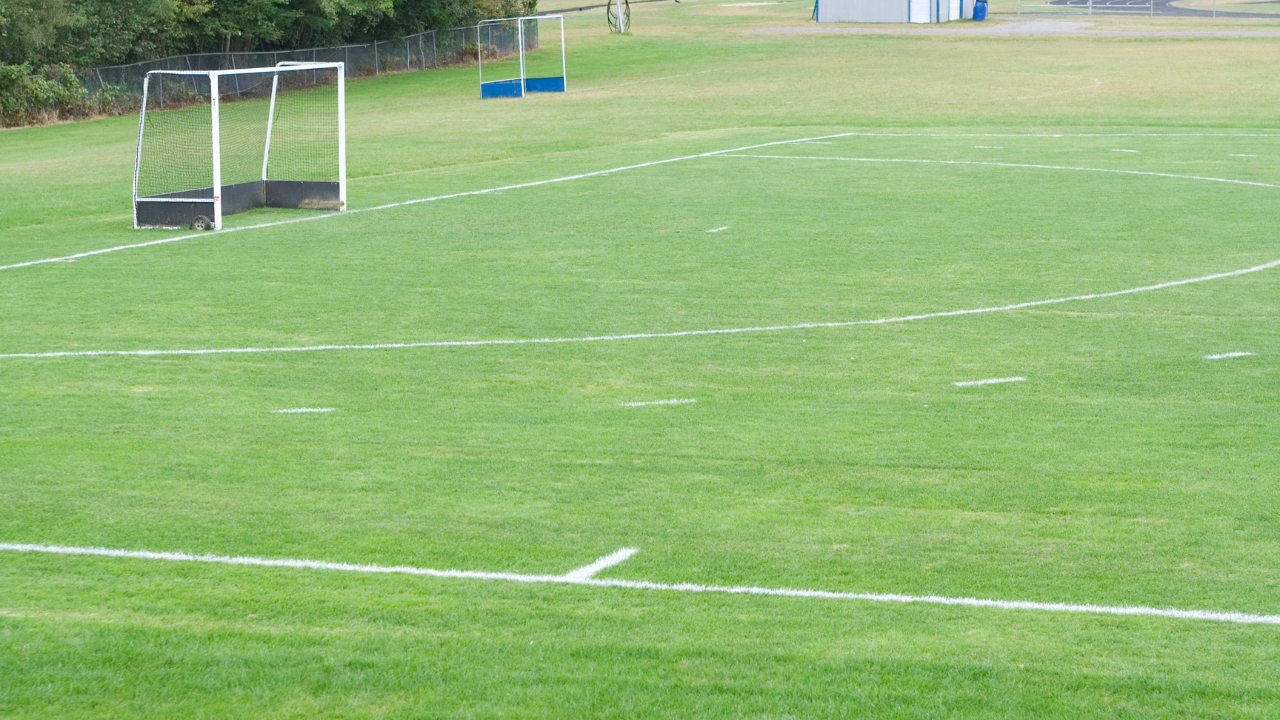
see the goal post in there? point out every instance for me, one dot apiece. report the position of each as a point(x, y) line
point(545, 68)
point(214, 143)
point(535, 51)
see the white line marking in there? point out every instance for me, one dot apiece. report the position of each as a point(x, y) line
point(987, 147)
point(572, 579)
point(586, 572)
point(313, 218)
point(1230, 155)
point(641, 82)
point(1223, 356)
point(726, 227)
point(1130, 151)
point(1005, 164)
point(991, 381)
point(488, 191)
point(651, 336)
point(681, 401)
point(305, 410)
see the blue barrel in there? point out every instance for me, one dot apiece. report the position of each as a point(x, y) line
point(980, 10)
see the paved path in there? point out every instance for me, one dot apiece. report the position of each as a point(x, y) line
point(1019, 27)
point(1156, 7)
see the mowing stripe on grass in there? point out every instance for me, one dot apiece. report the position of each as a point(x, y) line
point(991, 381)
point(1224, 356)
point(650, 336)
point(388, 206)
point(584, 576)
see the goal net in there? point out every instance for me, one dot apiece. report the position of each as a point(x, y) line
point(215, 143)
point(527, 54)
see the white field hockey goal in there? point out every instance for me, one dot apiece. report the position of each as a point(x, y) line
point(536, 47)
point(218, 142)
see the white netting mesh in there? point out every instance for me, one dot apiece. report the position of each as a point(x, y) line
point(175, 153)
point(304, 133)
point(499, 50)
point(544, 47)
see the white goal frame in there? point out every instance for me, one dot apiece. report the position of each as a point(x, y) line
point(524, 84)
point(213, 206)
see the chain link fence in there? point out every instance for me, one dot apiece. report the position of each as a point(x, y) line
point(120, 87)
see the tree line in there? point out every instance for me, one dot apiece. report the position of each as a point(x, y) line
point(43, 42)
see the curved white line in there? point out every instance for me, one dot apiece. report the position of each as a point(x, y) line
point(1007, 164)
point(583, 576)
point(133, 246)
point(650, 336)
point(312, 218)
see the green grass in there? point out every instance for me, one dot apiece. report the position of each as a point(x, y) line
point(1126, 469)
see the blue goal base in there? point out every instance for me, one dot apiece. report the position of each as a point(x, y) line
point(501, 88)
point(544, 84)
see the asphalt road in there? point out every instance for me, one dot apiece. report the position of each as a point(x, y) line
point(1157, 7)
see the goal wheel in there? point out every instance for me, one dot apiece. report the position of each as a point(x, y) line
point(201, 223)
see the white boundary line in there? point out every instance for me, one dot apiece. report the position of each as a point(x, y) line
point(305, 410)
point(991, 381)
point(1007, 164)
point(313, 218)
point(651, 336)
point(642, 82)
point(388, 206)
point(1224, 356)
point(584, 576)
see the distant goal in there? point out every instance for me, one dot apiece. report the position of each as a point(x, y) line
point(534, 56)
point(218, 142)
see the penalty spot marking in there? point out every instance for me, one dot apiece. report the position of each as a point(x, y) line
point(585, 576)
point(991, 381)
point(681, 401)
point(305, 410)
point(726, 227)
point(1224, 356)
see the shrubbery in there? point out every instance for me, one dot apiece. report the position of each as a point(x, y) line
point(43, 41)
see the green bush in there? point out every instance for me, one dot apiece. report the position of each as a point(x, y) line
point(29, 95)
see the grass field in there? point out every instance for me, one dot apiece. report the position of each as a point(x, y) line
point(742, 352)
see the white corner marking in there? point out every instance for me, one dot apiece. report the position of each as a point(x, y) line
point(586, 572)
